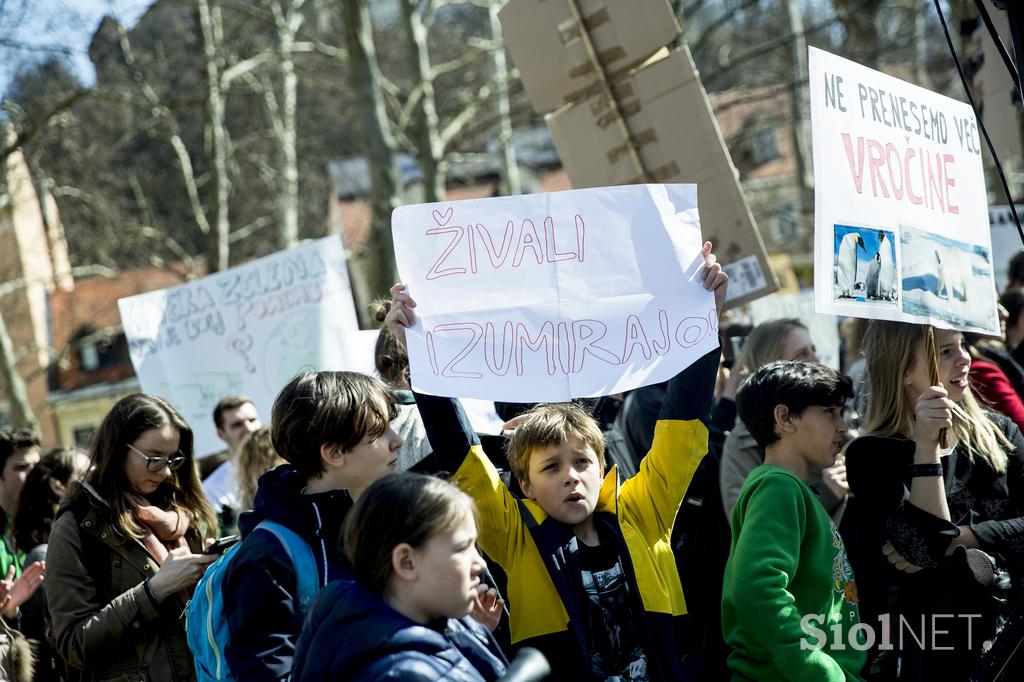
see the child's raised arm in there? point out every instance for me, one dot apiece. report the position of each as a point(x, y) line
point(691, 393)
point(681, 433)
point(448, 429)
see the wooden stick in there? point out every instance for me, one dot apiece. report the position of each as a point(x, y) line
point(933, 372)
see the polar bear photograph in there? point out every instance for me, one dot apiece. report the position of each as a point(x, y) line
point(947, 279)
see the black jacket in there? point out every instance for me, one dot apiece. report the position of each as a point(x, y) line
point(260, 584)
point(354, 635)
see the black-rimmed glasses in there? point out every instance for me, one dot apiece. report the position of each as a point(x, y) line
point(158, 463)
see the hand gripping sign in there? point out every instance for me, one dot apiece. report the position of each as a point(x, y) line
point(545, 297)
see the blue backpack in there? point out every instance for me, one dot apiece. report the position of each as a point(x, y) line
point(205, 623)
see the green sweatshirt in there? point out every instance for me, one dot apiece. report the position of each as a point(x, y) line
point(787, 562)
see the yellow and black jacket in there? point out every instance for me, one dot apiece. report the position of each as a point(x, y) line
point(540, 555)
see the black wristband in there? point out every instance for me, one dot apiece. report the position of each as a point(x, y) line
point(149, 593)
point(926, 470)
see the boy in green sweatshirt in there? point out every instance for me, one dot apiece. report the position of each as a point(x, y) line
point(789, 601)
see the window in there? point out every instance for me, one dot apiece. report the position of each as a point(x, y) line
point(89, 357)
point(765, 146)
point(97, 353)
point(83, 436)
point(785, 224)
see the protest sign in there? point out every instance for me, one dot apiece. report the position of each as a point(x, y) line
point(548, 45)
point(626, 110)
point(823, 328)
point(246, 330)
point(899, 198)
point(545, 297)
point(1005, 240)
point(655, 102)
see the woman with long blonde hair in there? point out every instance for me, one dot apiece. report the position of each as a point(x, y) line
point(931, 522)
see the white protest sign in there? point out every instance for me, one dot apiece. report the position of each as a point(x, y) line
point(246, 330)
point(823, 328)
point(1006, 241)
point(899, 201)
point(545, 297)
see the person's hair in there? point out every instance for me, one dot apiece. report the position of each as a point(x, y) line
point(256, 456)
point(15, 440)
point(797, 385)
point(401, 508)
point(335, 408)
point(389, 357)
point(891, 348)
point(852, 332)
point(1015, 271)
point(551, 424)
point(766, 342)
point(228, 402)
point(1013, 301)
point(37, 506)
point(128, 419)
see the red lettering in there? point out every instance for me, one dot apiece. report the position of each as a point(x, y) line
point(876, 159)
point(856, 170)
point(950, 183)
point(435, 271)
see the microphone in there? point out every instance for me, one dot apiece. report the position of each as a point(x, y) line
point(529, 665)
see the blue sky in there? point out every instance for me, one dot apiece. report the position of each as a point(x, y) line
point(34, 29)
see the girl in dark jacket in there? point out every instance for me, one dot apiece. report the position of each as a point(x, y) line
point(412, 543)
point(126, 549)
point(38, 503)
point(928, 524)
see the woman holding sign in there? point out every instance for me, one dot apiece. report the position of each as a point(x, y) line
point(936, 515)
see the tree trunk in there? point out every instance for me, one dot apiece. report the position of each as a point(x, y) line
point(920, 45)
point(17, 396)
point(378, 257)
point(288, 200)
point(799, 111)
point(429, 148)
point(859, 19)
point(212, 34)
point(511, 183)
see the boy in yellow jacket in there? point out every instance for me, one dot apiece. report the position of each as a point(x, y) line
point(592, 581)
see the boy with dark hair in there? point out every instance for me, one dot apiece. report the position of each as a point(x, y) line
point(789, 601)
point(592, 581)
point(19, 453)
point(334, 430)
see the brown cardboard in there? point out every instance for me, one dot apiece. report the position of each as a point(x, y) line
point(677, 139)
point(546, 45)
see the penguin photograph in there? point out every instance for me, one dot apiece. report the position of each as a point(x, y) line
point(864, 265)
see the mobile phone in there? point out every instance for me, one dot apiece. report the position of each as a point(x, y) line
point(222, 544)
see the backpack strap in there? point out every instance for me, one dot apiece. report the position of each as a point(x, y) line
point(298, 550)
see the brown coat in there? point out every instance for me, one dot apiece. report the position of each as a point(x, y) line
point(103, 622)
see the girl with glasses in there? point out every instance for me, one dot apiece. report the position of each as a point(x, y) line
point(126, 548)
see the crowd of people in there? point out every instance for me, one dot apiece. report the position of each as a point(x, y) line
point(763, 517)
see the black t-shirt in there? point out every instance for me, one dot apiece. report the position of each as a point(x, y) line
point(616, 652)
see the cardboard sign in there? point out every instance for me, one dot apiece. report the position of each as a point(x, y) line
point(899, 196)
point(546, 43)
point(546, 297)
point(677, 139)
point(823, 328)
point(246, 330)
